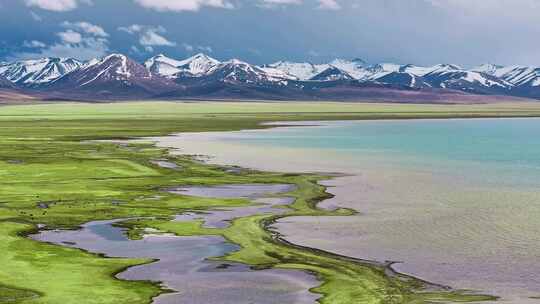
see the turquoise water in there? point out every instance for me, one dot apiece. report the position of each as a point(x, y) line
point(502, 141)
point(509, 148)
point(457, 202)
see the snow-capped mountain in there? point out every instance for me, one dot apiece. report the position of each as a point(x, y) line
point(488, 68)
point(115, 74)
point(332, 73)
point(355, 68)
point(451, 77)
point(237, 71)
point(39, 71)
point(302, 71)
point(163, 65)
point(200, 76)
point(517, 75)
point(373, 72)
point(526, 80)
point(197, 65)
point(444, 76)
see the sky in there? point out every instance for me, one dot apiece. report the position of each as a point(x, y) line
point(422, 32)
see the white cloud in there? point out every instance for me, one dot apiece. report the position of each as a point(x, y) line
point(329, 5)
point(485, 6)
point(200, 48)
point(70, 37)
point(151, 37)
point(278, 3)
point(321, 4)
point(132, 29)
point(88, 48)
point(34, 44)
point(188, 47)
point(80, 40)
point(86, 27)
point(148, 35)
point(183, 5)
point(57, 5)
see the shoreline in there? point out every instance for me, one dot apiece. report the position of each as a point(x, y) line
point(115, 181)
point(265, 163)
point(268, 224)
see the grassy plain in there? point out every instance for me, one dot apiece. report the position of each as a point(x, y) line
point(53, 172)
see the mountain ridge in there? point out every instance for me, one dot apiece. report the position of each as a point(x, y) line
point(116, 76)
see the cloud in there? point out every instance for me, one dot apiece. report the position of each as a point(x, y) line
point(57, 5)
point(148, 35)
point(86, 27)
point(70, 36)
point(34, 44)
point(88, 48)
point(151, 37)
point(322, 4)
point(200, 48)
point(486, 7)
point(183, 5)
point(278, 3)
point(132, 29)
point(188, 47)
point(81, 40)
point(329, 5)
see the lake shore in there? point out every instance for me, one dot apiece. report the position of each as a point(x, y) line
point(362, 189)
point(59, 174)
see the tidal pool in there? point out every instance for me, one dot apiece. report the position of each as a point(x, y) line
point(455, 202)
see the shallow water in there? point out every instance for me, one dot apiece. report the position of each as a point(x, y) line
point(221, 218)
point(183, 264)
point(456, 201)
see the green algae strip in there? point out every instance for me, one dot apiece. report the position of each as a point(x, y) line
point(54, 173)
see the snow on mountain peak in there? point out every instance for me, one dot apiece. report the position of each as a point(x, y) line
point(38, 71)
point(332, 73)
point(488, 68)
point(119, 70)
point(302, 71)
point(196, 65)
point(444, 67)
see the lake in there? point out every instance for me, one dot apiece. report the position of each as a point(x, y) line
point(455, 201)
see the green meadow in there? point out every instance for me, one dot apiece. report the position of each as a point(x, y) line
point(57, 170)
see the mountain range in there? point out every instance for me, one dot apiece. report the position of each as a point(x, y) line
point(117, 77)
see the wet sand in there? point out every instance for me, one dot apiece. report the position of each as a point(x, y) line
point(411, 215)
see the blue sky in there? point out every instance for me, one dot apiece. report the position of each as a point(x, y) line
point(464, 32)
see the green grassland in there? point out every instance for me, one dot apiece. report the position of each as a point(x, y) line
point(54, 172)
